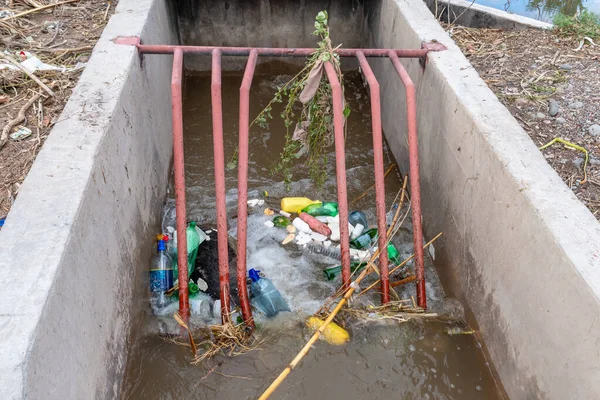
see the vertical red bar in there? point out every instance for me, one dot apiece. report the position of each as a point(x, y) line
point(219, 153)
point(379, 174)
point(340, 169)
point(243, 188)
point(415, 185)
point(178, 167)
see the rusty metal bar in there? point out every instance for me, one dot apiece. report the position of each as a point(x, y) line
point(276, 52)
point(379, 174)
point(219, 154)
point(340, 169)
point(415, 185)
point(178, 167)
point(243, 188)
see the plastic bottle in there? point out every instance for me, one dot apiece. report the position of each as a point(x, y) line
point(364, 240)
point(357, 231)
point(161, 277)
point(296, 204)
point(315, 224)
point(329, 209)
point(336, 253)
point(301, 225)
point(333, 333)
point(265, 295)
point(280, 221)
point(393, 254)
point(195, 236)
point(330, 273)
point(201, 305)
point(358, 217)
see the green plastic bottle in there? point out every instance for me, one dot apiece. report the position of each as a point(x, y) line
point(331, 273)
point(364, 241)
point(393, 254)
point(327, 209)
point(280, 221)
point(195, 236)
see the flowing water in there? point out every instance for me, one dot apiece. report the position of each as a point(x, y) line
point(410, 360)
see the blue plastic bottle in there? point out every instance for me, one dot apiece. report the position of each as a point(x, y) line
point(265, 295)
point(161, 277)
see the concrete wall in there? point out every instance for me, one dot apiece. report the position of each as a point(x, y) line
point(469, 13)
point(76, 241)
point(264, 23)
point(518, 246)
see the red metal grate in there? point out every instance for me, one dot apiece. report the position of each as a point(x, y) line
point(219, 159)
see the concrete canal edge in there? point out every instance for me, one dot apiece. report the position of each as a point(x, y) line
point(518, 246)
point(76, 240)
point(468, 13)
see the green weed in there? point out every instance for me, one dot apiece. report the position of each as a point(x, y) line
point(586, 23)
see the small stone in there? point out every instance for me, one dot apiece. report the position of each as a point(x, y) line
point(594, 130)
point(561, 120)
point(553, 108)
point(547, 122)
point(578, 161)
point(594, 161)
point(575, 105)
point(566, 67)
point(521, 101)
point(540, 115)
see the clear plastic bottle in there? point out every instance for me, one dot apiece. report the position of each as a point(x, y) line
point(358, 217)
point(201, 305)
point(265, 295)
point(161, 277)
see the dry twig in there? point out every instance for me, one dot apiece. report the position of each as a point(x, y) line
point(20, 117)
point(33, 10)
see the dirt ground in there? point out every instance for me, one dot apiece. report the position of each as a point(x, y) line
point(552, 89)
point(61, 35)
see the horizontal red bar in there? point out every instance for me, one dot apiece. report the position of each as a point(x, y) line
point(276, 52)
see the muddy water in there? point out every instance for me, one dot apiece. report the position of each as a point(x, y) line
point(410, 360)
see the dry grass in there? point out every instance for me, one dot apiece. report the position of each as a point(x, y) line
point(229, 339)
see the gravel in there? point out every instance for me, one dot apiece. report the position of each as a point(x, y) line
point(575, 105)
point(553, 108)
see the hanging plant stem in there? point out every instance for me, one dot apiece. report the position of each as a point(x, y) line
point(309, 129)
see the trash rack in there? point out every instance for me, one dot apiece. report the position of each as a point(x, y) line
point(219, 159)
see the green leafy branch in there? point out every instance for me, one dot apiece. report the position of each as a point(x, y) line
point(309, 131)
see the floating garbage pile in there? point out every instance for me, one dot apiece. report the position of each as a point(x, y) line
point(313, 226)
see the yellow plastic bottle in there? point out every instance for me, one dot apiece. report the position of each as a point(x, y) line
point(333, 333)
point(296, 204)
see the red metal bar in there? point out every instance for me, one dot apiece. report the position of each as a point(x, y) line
point(276, 52)
point(340, 169)
point(178, 167)
point(415, 185)
point(243, 188)
point(219, 153)
point(379, 175)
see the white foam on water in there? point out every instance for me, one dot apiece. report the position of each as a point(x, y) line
point(293, 271)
